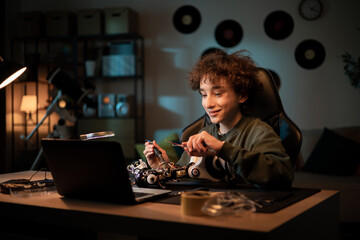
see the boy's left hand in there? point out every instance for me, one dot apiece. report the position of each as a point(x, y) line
point(202, 144)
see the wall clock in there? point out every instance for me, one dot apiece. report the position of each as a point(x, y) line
point(310, 9)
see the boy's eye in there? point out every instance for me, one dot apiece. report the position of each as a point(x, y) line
point(218, 94)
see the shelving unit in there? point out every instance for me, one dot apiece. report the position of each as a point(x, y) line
point(70, 53)
point(130, 129)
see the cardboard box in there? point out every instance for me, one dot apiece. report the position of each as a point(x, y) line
point(90, 22)
point(60, 23)
point(120, 20)
point(30, 24)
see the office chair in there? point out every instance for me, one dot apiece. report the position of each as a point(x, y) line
point(268, 107)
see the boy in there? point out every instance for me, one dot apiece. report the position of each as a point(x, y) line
point(251, 150)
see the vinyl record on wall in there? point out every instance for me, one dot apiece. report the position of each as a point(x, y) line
point(310, 54)
point(228, 33)
point(186, 19)
point(278, 25)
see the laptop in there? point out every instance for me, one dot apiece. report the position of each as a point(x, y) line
point(93, 170)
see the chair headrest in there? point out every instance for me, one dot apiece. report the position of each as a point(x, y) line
point(266, 103)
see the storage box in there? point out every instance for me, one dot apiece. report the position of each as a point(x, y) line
point(30, 24)
point(122, 48)
point(90, 22)
point(120, 20)
point(118, 65)
point(60, 23)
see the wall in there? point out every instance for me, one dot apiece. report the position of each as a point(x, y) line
point(8, 11)
point(312, 98)
point(2, 93)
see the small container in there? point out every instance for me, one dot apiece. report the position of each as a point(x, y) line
point(60, 23)
point(90, 22)
point(30, 24)
point(120, 20)
point(192, 202)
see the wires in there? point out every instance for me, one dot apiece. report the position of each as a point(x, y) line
point(41, 169)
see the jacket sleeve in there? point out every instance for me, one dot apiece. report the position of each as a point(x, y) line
point(261, 160)
point(184, 160)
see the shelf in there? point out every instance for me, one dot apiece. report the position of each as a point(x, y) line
point(108, 118)
point(44, 39)
point(110, 37)
point(100, 78)
point(101, 37)
point(50, 49)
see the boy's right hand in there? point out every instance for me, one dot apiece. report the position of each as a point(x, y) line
point(202, 145)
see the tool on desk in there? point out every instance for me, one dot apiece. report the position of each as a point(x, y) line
point(28, 187)
point(174, 144)
point(97, 135)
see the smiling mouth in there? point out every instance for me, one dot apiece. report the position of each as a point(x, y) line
point(213, 113)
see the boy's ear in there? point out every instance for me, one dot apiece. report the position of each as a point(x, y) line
point(242, 99)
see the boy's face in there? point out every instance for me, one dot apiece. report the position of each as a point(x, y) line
point(221, 102)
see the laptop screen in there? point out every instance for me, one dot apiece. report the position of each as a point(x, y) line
point(93, 170)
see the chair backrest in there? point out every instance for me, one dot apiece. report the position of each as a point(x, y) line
point(267, 106)
point(194, 127)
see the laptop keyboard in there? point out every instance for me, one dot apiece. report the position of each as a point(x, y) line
point(141, 194)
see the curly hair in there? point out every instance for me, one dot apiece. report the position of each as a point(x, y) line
point(238, 69)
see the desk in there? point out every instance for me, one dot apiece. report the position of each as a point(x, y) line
point(316, 217)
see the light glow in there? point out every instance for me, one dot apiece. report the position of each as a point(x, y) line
point(28, 103)
point(12, 77)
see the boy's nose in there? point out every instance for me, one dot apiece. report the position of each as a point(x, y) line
point(209, 102)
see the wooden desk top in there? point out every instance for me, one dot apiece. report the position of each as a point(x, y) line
point(146, 215)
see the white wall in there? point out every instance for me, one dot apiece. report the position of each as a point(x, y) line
point(312, 98)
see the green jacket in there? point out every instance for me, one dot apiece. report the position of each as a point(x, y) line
point(254, 153)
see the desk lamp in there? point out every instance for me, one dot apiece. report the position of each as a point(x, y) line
point(28, 105)
point(9, 71)
point(67, 88)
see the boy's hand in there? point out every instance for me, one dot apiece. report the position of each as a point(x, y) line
point(202, 144)
point(151, 158)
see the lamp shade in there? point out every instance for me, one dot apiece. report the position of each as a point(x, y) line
point(28, 103)
point(9, 71)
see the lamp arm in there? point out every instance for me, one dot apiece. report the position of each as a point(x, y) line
point(48, 111)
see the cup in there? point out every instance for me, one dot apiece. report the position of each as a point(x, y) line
point(90, 68)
